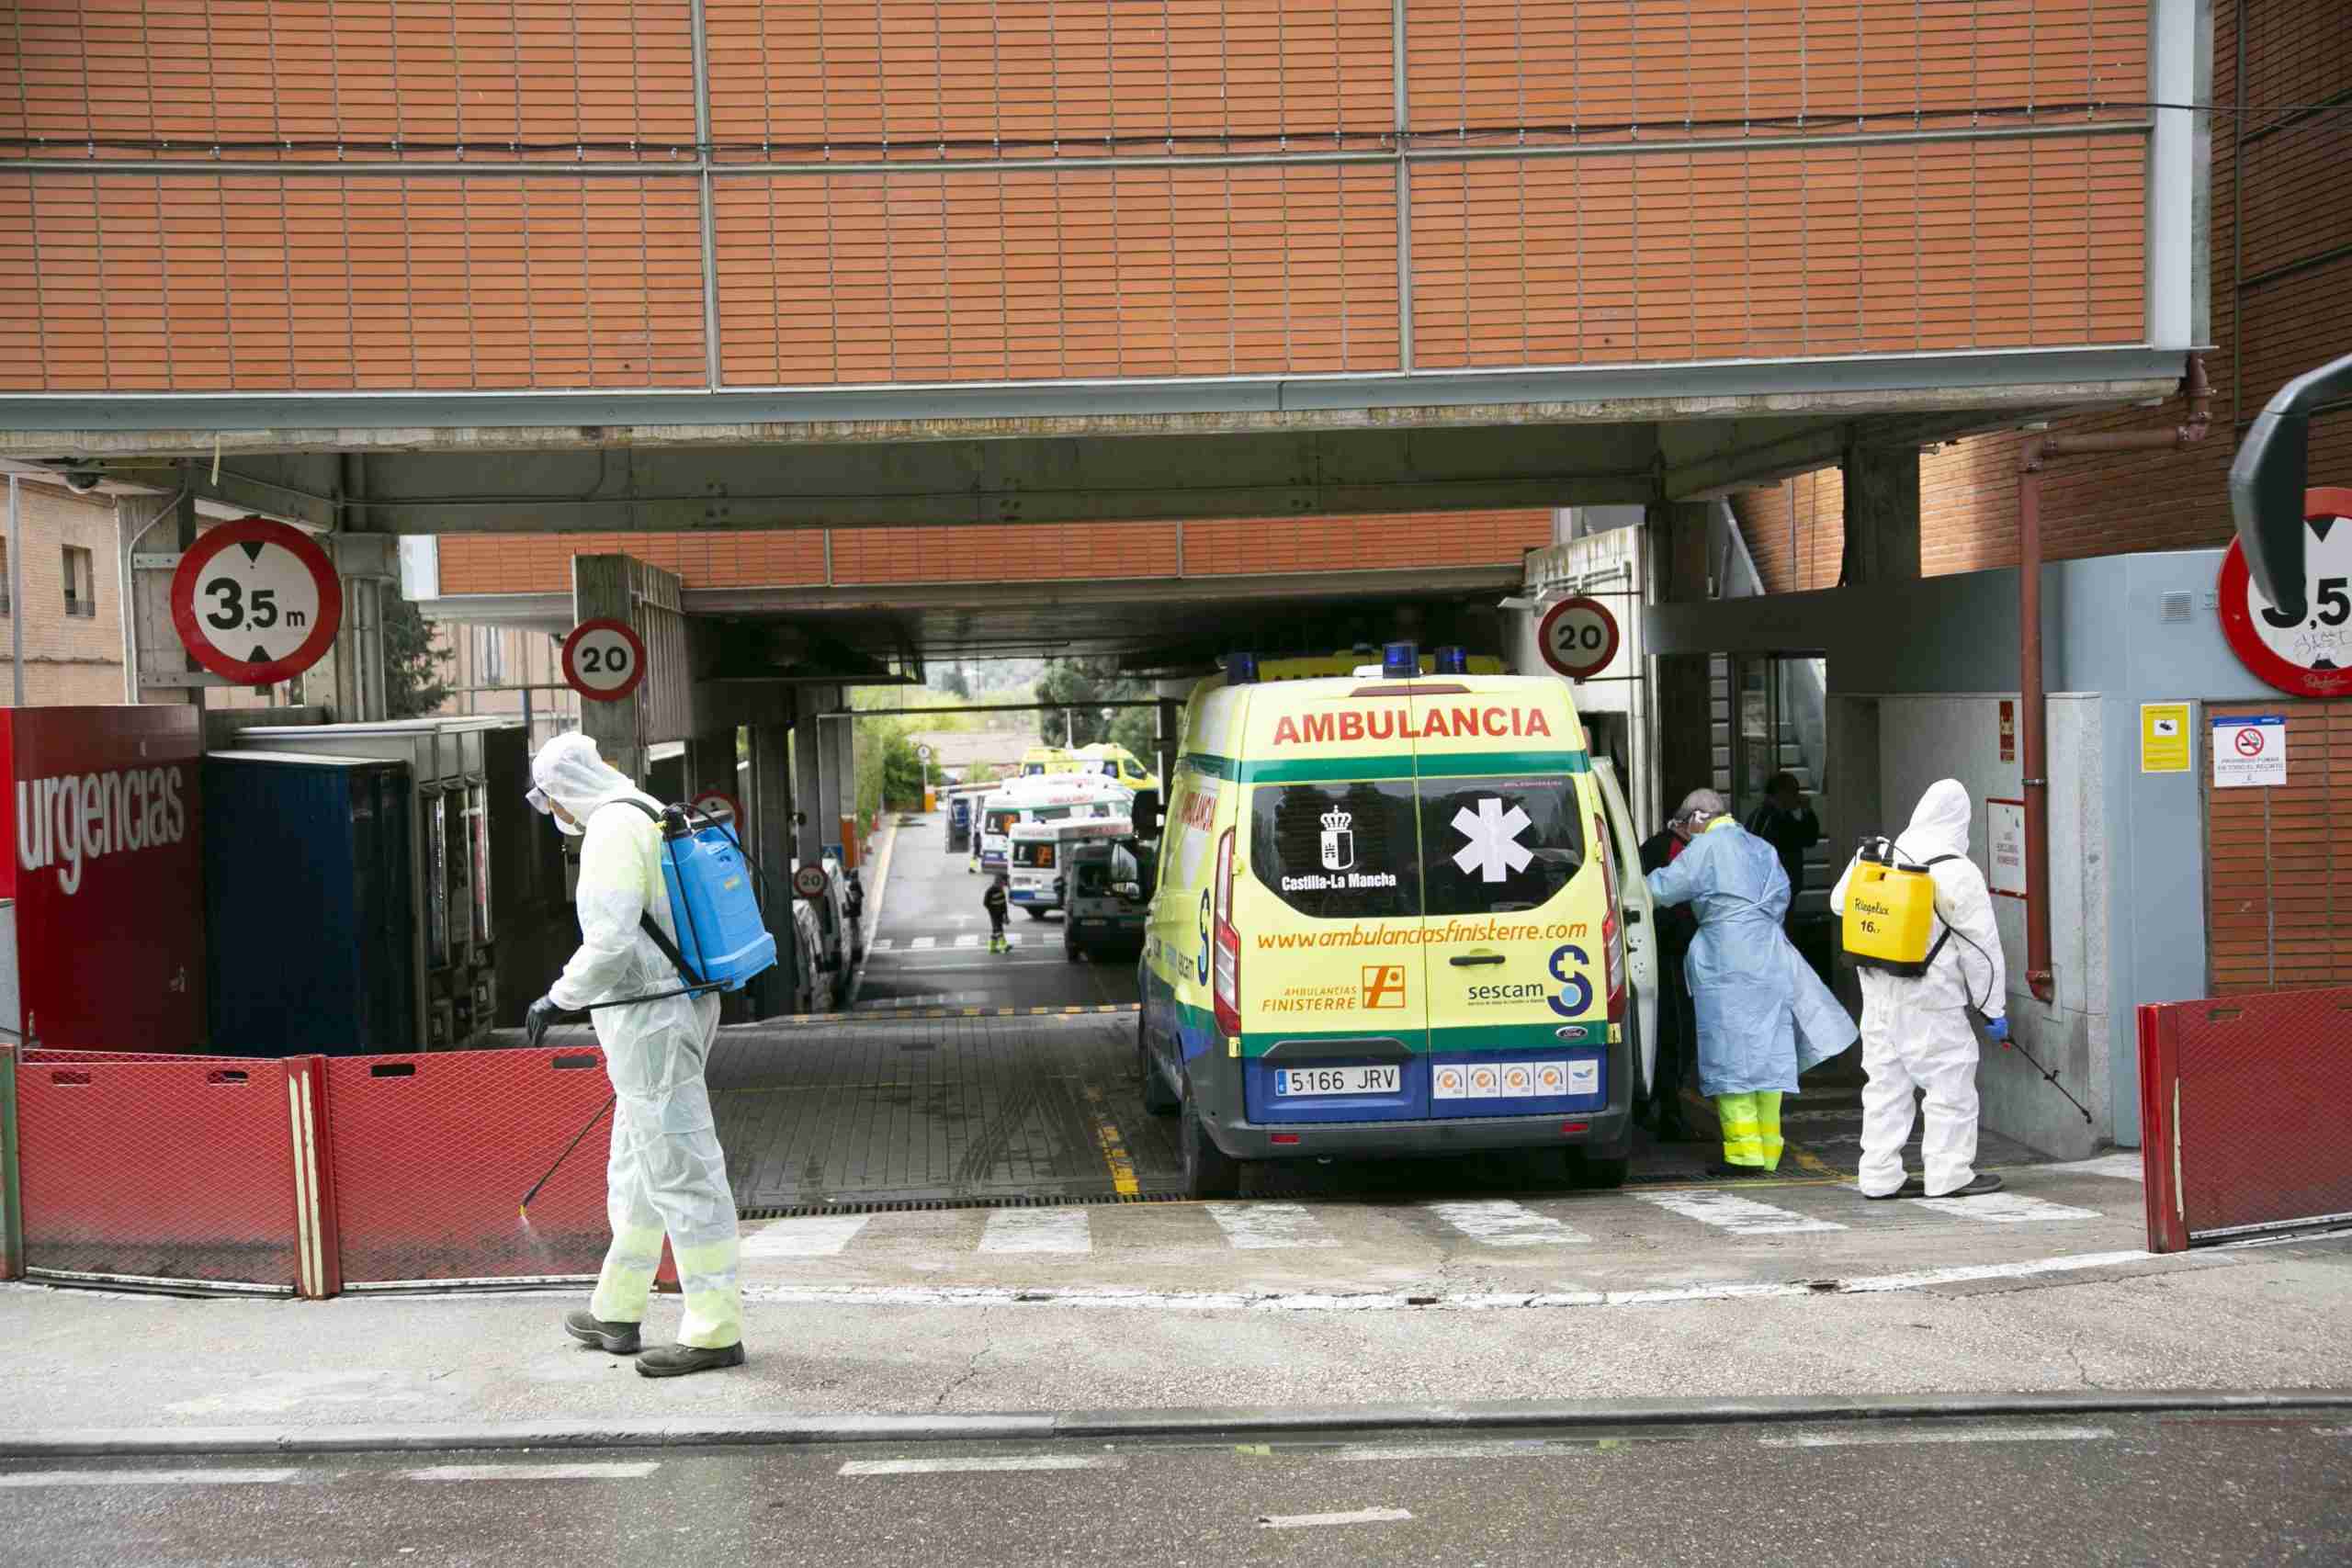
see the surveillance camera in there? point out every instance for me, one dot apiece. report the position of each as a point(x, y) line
point(82, 482)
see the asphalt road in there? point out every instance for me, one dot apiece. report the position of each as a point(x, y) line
point(2176, 1489)
point(931, 904)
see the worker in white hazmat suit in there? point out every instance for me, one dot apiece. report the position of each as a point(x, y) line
point(1915, 1030)
point(668, 1173)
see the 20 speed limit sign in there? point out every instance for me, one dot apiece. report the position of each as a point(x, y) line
point(256, 601)
point(604, 660)
point(1578, 638)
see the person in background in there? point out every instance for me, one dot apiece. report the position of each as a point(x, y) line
point(1678, 1027)
point(1915, 1031)
point(1785, 821)
point(1764, 1016)
point(996, 902)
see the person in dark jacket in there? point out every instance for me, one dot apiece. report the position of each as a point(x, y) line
point(1785, 821)
point(1678, 1028)
point(996, 902)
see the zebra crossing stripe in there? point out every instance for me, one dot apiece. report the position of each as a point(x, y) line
point(631, 1470)
point(1501, 1222)
point(880, 945)
point(1254, 1227)
point(145, 1477)
point(1037, 1230)
point(2003, 1209)
point(923, 941)
point(1741, 1216)
point(969, 939)
point(809, 1236)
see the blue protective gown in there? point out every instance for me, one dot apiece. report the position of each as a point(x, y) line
point(1764, 1015)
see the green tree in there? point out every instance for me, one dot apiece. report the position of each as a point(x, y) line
point(1084, 685)
point(414, 668)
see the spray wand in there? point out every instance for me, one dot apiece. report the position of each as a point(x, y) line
point(583, 1131)
point(2045, 1072)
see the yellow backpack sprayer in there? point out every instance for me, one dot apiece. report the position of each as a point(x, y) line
point(1890, 909)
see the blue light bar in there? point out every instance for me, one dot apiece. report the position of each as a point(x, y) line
point(1400, 660)
point(1453, 660)
point(1240, 669)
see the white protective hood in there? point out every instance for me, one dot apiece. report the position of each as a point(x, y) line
point(568, 771)
point(1940, 825)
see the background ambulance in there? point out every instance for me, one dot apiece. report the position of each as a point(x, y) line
point(1392, 919)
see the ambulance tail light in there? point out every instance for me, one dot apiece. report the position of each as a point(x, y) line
point(1613, 923)
point(1224, 958)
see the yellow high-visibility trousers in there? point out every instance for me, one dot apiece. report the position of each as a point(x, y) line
point(1751, 1128)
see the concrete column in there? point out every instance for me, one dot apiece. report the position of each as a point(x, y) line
point(832, 788)
point(1881, 514)
point(1679, 567)
point(601, 590)
point(769, 840)
point(845, 767)
point(808, 771)
point(711, 764)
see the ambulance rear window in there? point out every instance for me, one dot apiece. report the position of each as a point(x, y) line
point(1493, 845)
point(1337, 851)
point(1033, 852)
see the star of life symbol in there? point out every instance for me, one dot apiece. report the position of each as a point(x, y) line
point(1338, 842)
point(1493, 849)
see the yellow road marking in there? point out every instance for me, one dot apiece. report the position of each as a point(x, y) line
point(1115, 1148)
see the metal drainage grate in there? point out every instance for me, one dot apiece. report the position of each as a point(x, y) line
point(928, 1205)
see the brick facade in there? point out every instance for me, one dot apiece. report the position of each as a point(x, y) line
point(2286, 307)
point(377, 197)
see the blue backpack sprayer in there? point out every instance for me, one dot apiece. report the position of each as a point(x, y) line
point(723, 941)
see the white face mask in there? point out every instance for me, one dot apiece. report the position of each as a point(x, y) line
point(544, 806)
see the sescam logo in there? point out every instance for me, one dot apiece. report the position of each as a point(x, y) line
point(1398, 724)
point(64, 821)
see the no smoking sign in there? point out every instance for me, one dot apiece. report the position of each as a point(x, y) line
point(604, 660)
point(256, 601)
point(2249, 750)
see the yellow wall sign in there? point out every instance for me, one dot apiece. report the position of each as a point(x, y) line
point(2164, 737)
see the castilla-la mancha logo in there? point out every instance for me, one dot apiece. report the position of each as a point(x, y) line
point(66, 822)
point(1338, 841)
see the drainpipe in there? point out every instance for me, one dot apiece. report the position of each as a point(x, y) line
point(2034, 744)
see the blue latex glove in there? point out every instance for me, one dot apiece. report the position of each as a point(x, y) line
point(1998, 1029)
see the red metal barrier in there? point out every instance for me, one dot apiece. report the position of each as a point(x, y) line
point(165, 1170)
point(2242, 1106)
point(431, 1155)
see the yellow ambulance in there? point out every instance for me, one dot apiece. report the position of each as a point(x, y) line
point(1392, 919)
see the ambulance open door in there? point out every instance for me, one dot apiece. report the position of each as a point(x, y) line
point(1633, 908)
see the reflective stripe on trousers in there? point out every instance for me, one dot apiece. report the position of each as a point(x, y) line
point(1751, 1128)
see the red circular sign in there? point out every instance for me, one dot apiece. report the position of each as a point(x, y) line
point(604, 660)
point(256, 601)
point(2248, 743)
point(2311, 658)
point(809, 882)
point(1578, 638)
point(719, 806)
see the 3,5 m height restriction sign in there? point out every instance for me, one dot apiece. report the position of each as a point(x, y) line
point(256, 601)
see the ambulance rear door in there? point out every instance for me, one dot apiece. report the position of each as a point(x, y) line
point(1640, 917)
point(1512, 901)
point(1326, 898)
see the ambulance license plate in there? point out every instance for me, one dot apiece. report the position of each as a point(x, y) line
point(1335, 1080)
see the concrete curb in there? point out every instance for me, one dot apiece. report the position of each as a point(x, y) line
point(1237, 1421)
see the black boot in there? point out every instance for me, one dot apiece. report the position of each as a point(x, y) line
point(677, 1360)
point(1985, 1182)
point(620, 1338)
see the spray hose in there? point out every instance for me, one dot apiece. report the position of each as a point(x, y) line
point(2010, 1043)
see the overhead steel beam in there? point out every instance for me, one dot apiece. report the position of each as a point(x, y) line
point(671, 489)
point(130, 426)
